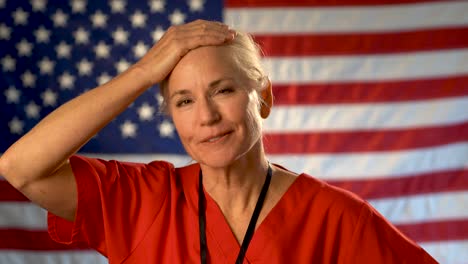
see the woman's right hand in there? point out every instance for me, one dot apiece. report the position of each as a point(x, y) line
point(176, 42)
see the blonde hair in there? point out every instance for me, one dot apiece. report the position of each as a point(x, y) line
point(246, 54)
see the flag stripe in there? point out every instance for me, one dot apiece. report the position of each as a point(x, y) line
point(9, 193)
point(445, 231)
point(364, 141)
point(370, 92)
point(448, 252)
point(338, 69)
point(286, 20)
point(308, 3)
point(62, 257)
point(29, 240)
point(364, 43)
point(412, 114)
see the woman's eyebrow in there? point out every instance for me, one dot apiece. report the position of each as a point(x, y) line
point(179, 92)
point(217, 82)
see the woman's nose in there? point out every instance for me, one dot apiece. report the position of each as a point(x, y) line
point(208, 112)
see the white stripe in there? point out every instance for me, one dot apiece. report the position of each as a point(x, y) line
point(22, 215)
point(382, 67)
point(372, 165)
point(375, 165)
point(49, 257)
point(448, 252)
point(348, 19)
point(423, 208)
point(345, 117)
point(412, 209)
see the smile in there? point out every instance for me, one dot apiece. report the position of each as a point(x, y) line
point(216, 138)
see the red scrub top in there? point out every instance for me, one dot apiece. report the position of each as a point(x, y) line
point(148, 213)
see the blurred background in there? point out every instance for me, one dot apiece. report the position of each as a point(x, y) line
point(371, 96)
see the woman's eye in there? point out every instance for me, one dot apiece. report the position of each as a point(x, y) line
point(183, 102)
point(225, 90)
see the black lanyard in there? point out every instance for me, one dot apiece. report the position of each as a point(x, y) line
point(250, 230)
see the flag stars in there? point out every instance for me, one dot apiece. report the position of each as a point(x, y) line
point(138, 19)
point(42, 35)
point(166, 129)
point(78, 6)
point(157, 6)
point(46, 66)
point(12, 95)
point(177, 17)
point(122, 65)
point(99, 19)
point(63, 50)
point(28, 79)
point(16, 126)
point(32, 110)
point(128, 129)
point(66, 81)
point(2, 3)
point(117, 6)
point(24, 48)
point(196, 5)
point(8, 63)
point(20, 17)
point(146, 112)
point(81, 36)
point(84, 67)
point(102, 50)
point(120, 36)
point(59, 18)
point(5, 32)
point(103, 78)
point(157, 33)
point(49, 98)
point(140, 49)
point(38, 5)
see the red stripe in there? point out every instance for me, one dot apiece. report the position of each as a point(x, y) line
point(30, 240)
point(363, 43)
point(433, 182)
point(370, 92)
point(316, 3)
point(436, 231)
point(10, 194)
point(364, 141)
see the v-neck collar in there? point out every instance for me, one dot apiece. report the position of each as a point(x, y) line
point(219, 231)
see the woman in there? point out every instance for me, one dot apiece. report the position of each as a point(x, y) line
point(216, 93)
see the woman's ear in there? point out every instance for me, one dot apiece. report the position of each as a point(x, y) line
point(267, 99)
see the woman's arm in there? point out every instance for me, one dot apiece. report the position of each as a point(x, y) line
point(37, 164)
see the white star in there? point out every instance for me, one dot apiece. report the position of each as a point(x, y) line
point(66, 81)
point(103, 78)
point(99, 19)
point(177, 17)
point(12, 95)
point(120, 36)
point(84, 67)
point(159, 98)
point(59, 18)
point(157, 33)
point(138, 19)
point(122, 65)
point(140, 49)
point(42, 35)
point(28, 79)
point(128, 129)
point(4, 32)
point(196, 5)
point(16, 126)
point(38, 5)
point(32, 110)
point(46, 66)
point(8, 63)
point(20, 17)
point(63, 50)
point(24, 48)
point(2, 3)
point(117, 6)
point(157, 5)
point(78, 6)
point(146, 112)
point(49, 98)
point(102, 50)
point(81, 36)
point(166, 129)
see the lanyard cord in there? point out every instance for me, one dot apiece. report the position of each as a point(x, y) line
point(250, 230)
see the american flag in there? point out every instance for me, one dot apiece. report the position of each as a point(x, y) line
point(371, 96)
